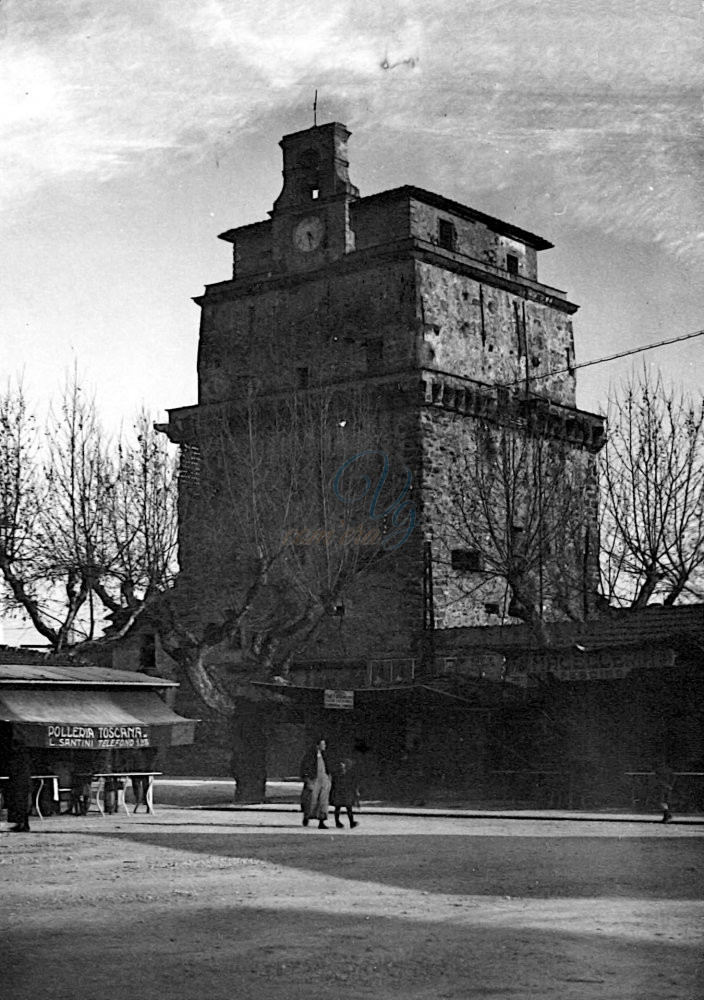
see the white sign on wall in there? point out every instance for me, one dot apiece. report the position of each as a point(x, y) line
point(338, 699)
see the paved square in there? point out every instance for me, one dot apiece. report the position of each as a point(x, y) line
point(227, 904)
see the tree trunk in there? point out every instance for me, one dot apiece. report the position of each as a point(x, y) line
point(651, 580)
point(522, 605)
point(249, 751)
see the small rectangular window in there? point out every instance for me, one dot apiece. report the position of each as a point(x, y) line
point(491, 608)
point(511, 263)
point(315, 193)
point(466, 561)
point(446, 234)
point(302, 374)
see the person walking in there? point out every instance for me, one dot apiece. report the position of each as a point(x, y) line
point(344, 793)
point(315, 775)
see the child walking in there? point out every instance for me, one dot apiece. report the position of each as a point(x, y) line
point(344, 793)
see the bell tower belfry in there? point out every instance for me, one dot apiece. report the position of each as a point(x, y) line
point(311, 217)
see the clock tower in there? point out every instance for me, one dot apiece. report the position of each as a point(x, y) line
point(436, 311)
point(412, 331)
point(311, 217)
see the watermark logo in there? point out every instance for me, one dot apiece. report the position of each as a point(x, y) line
point(402, 512)
point(397, 518)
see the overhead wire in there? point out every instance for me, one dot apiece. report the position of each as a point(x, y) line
point(601, 361)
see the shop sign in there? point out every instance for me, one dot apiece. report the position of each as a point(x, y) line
point(586, 674)
point(591, 665)
point(96, 737)
point(339, 699)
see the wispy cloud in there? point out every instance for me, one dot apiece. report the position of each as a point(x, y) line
point(597, 105)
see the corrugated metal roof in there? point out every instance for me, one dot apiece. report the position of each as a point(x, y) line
point(87, 708)
point(50, 674)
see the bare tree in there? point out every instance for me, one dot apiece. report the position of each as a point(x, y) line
point(87, 526)
point(141, 523)
point(268, 550)
point(517, 524)
point(652, 495)
point(22, 496)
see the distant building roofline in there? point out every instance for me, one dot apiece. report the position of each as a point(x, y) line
point(53, 674)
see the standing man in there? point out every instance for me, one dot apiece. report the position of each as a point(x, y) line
point(315, 775)
point(19, 788)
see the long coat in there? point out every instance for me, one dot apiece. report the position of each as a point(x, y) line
point(314, 797)
point(343, 791)
point(309, 764)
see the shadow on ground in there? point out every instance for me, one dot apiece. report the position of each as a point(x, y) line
point(537, 867)
point(225, 953)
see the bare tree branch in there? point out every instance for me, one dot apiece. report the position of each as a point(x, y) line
point(516, 523)
point(652, 494)
point(87, 525)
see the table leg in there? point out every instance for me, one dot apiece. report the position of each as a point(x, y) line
point(95, 794)
point(121, 789)
point(144, 795)
point(36, 799)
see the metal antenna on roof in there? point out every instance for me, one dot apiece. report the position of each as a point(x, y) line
point(315, 110)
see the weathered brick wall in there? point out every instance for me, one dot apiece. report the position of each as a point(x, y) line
point(472, 238)
point(376, 222)
point(486, 333)
point(379, 302)
point(383, 604)
point(318, 324)
point(425, 314)
point(252, 253)
point(568, 576)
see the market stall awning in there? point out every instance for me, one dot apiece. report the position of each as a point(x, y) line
point(92, 719)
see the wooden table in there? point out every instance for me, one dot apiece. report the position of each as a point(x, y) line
point(143, 796)
point(36, 793)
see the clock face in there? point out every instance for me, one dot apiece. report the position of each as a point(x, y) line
point(308, 234)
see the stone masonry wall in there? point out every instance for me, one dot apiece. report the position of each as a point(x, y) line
point(375, 223)
point(473, 238)
point(492, 335)
point(569, 578)
point(383, 605)
point(273, 332)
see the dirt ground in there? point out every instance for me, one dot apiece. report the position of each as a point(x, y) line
point(188, 904)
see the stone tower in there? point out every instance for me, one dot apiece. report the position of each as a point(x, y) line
point(437, 311)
